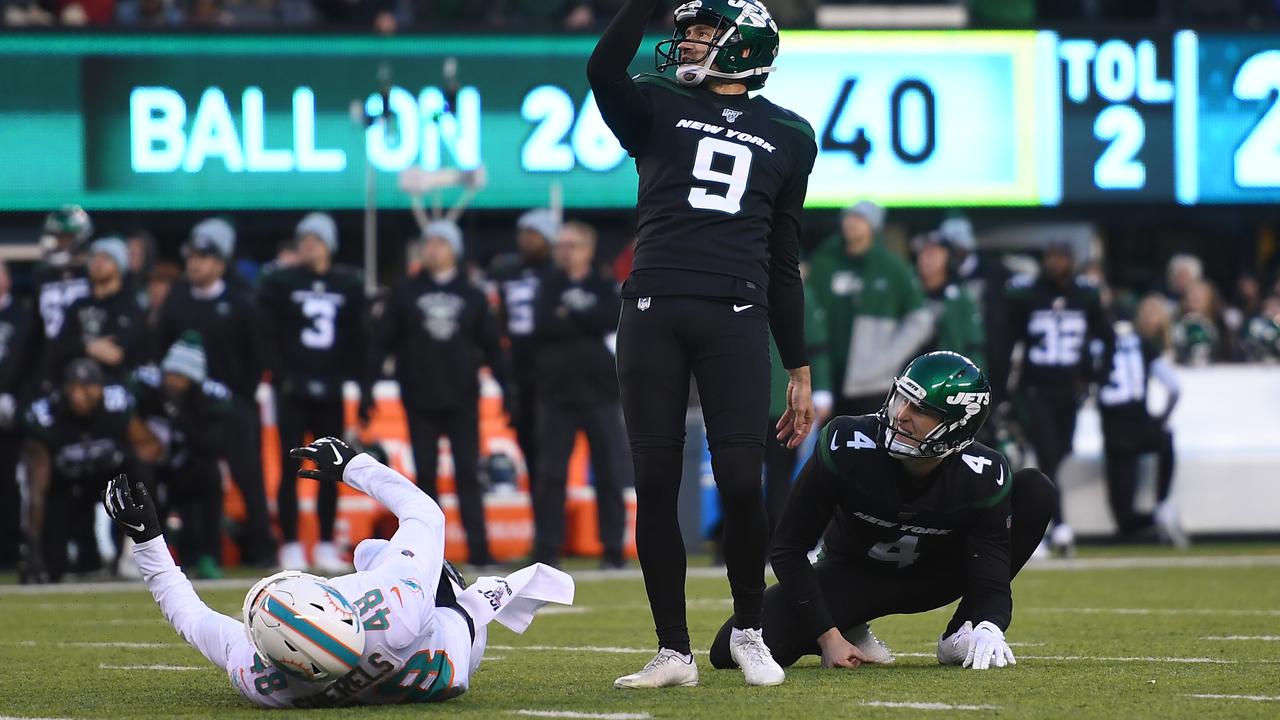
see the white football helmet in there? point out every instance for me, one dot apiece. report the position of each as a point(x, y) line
point(303, 626)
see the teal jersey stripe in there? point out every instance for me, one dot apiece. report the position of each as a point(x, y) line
point(307, 629)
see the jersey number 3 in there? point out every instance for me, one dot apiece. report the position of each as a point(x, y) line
point(734, 179)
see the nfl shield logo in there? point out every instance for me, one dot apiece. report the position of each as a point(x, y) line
point(730, 114)
point(643, 303)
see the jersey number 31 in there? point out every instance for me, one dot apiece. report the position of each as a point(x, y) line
point(734, 180)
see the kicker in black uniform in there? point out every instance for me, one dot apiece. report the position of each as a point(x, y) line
point(913, 514)
point(723, 176)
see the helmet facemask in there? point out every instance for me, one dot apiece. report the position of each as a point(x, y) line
point(902, 443)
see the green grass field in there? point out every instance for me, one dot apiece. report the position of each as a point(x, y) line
point(1138, 634)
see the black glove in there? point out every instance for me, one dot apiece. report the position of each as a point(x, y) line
point(130, 505)
point(330, 456)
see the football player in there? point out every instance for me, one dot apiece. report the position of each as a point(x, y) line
point(1054, 317)
point(60, 278)
point(723, 176)
point(913, 515)
point(401, 629)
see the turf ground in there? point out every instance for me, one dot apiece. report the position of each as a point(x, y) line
point(1119, 633)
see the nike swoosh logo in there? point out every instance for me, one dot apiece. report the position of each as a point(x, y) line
point(337, 458)
point(740, 308)
point(1000, 480)
point(834, 445)
point(138, 528)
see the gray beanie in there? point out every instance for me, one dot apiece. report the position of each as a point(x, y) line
point(869, 211)
point(186, 358)
point(322, 226)
point(958, 232)
point(214, 236)
point(114, 248)
point(448, 231)
point(541, 221)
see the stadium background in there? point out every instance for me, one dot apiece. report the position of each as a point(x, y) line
point(1005, 127)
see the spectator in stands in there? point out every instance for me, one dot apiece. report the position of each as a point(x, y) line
point(576, 310)
point(60, 278)
point(376, 15)
point(876, 319)
point(189, 414)
point(225, 318)
point(957, 325)
point(441, 331)
point(516, 280)
point(794, 13)
point(148, 13)
point(1182, 271)
point(984, 279)
point(1260, 338)
point(315, 339)
point(108, 325)
point(16, 330)
point(1138, 356)
point(1200, 336)
point(77, 438)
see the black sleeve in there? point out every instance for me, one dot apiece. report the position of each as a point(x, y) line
point(625, 109)
point(786, 292)
point(269, 338)
point(389, 325)
point(489, 338)
point(809, 508)
point(1102, 329)
point(1016, 318)
point(602, 318)
point(987, 550)
point(131, 334)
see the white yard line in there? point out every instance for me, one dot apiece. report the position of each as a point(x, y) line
point(575, 648)
point(1087, 658)
point(924, 705)
point(174, 668)
point(1256, 698)
point(1263, 638)
point(583, 715)
point(126, 645)
point(1152, 611)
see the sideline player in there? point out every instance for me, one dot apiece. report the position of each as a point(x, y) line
point(401, 629)
point(913, 514)
point(723, 177)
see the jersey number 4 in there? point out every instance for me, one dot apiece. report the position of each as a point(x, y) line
point(734, 179)
point(903, 552)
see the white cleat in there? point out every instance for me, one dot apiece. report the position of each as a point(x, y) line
point(869, 645)
point(1063, 540)
point(1169, 525)
point(667, 669)
point(747, 648)
point(953, 650)
point(329, 562)
point(1042, 551)
point(292, 557)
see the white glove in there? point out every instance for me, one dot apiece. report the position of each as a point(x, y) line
point(988, 644)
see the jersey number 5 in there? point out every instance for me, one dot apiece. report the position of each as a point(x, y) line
point(735, 179)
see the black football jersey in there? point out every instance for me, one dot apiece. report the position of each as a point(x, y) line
point(191, 427)
point(56, 289)
point(1055, 326)
point(873, 514)
point(89, 448)
point(314, 329)
point(1128, 373)
point(714, 169)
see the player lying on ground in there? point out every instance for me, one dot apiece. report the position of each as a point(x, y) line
point(916, 515)
point(400, 629)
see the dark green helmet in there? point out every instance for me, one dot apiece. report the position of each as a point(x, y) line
point(69, 221)
point(742, 47)
point(948, 388)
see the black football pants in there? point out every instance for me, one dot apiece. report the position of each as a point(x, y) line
point(727, 352)
point(244, 459)
point(558, 427)
point(462, 427)
point(195, 491)
point(857, 595)
point(10, 499)
point(295, 417)
point(1047, 414)
point(1123, 445)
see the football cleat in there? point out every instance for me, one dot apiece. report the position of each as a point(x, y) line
point(667, 669)
point(1063, 540)
point(292, 556)
point(953, 650)
point(329, 562)
point(869, 645)
point(1169, 525)
point(748, 650)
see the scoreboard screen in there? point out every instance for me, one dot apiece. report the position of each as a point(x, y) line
point(929, 118)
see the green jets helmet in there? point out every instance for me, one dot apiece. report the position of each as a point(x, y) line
point(947, 387)
point(742, 47)
point(69, 221)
